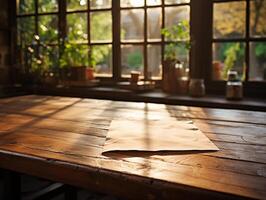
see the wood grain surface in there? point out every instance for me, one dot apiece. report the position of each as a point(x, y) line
point(61, 139)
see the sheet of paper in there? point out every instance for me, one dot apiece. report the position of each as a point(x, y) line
point(155, 135)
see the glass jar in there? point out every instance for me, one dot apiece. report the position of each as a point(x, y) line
point(196, 87)
point(234, 86)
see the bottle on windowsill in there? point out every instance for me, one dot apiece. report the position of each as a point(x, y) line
point(234, 86)
point(196, 87)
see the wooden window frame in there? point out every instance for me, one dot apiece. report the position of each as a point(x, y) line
point(145, 41)
point(251, 88)
point(201, 21)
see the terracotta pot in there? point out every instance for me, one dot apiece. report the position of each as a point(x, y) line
point(182, 85)
point(217, 69)
point(78, 73)
point(134, 77)
point(89, 74)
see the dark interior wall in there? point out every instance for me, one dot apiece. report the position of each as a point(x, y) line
point(4, 43)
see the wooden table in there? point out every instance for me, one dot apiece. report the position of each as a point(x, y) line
point(61, 139)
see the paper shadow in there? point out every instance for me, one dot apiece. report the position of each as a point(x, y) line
point(133, 153)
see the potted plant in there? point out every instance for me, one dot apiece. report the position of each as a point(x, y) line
point(179, 42)
point(35, 63)
point(74, 61)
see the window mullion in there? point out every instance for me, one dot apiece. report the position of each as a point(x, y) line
point(162, 36)
point(201, 36)
point(145, 56)
point(247, 58)
point(36, 17)
point(88, 23)
point(116, 23)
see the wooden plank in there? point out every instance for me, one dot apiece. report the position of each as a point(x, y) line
point(234, 151)
point(231, 128)
point(254, 117)
point(177, 111)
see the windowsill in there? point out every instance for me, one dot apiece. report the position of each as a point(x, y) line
point(155, 96)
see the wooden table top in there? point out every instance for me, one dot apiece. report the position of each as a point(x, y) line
point(61, 139)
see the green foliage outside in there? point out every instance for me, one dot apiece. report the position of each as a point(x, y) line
point(25, 31)
point(101, 26)
point(73, 55)
point(47, 5)
point(101, 54)
point(77, 27)
point(26, 6)
point(260, 51)
point(135, 60)
point(179, 37)
point(76, 4)
point(232, 54)
point(48, 28)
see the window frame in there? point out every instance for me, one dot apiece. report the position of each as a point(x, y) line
point(145, 43)
point(200, 63)
point(252, 88)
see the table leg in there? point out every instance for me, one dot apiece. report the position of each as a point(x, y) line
point(70, 193)
point(12, 185)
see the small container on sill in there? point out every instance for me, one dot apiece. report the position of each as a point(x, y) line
point(196, 87)
point(134, 77)
point(234, 86)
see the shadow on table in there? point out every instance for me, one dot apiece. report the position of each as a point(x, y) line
point(128, 154)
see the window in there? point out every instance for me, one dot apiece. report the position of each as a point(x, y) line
point(85, 27)
point(89, 27)
point(239, 39)
point(142, 44)
point(117, 37)
point(37, 34)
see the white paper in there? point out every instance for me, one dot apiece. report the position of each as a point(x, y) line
point(155, 135)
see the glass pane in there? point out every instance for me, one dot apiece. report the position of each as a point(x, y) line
point(102, 57)
point(257, 70)
point(77, 27)
point(131, 3)
point(47, 6)
point(101, 26)
point(228, 56)
point(177, 51)
point(76, 5)
point(26, 30)
point(176, 1)
point(132, 25)
point(229, 20)
point(96, 4)
point(153, 2)
point(26, 7)
point(154, 23)
point(154, 61)
point(258, 17)
point(74, 55)
point(48, 28)
point(132, 59)
point(49, 57)
point(174, 15)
